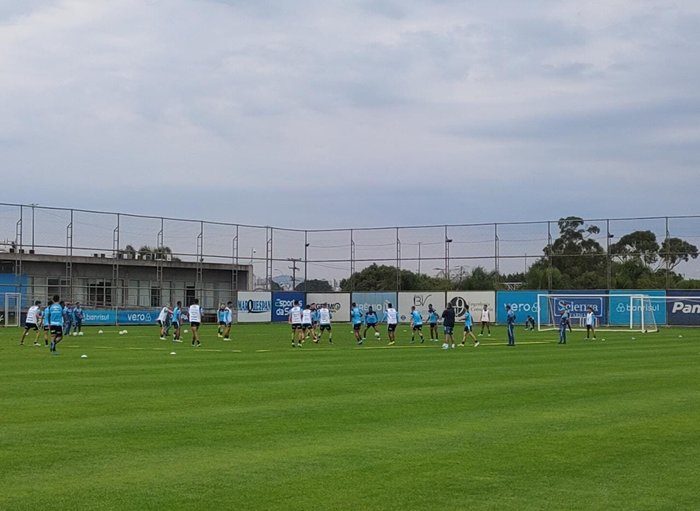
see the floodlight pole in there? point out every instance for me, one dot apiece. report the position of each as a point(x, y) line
point(306, 259)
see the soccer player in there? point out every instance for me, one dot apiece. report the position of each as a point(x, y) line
point(195, 314)
point(485, 320)
point(371, 321)
point(45, 322)
point(510, 325)
point(55, 319)
point(356, 318)
point(31, 322)
point(392, 320)
point(314, 320)
point(78, 318)
point(295, 321)
point(163, 321)
point(306, 324)
point(228, 319)
point(416, 324)
point(221, 320)
point(324, 320)
point(448, 323)
point(67, 318)
point(433, 321)
point(530, 323)
point(590, 323)
point(468, 327)
point(177, 321)
point(563, 323)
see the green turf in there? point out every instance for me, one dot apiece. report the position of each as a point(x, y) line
point(255, 424)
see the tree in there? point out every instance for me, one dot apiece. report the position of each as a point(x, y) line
point(577, 255)
point(675, 251)
point(382, 277)
point(314, 286)
point(156, 253)
point(637, 245)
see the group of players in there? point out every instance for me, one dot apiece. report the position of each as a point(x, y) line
point(312, 320)
point(57, 319)
point(174, 318)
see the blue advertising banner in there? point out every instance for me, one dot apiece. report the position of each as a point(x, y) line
point(523, 303)
point(621, 305)
point(683, 307)
point(121, 317)
point(378, 301)
point(282, 301)
point(577, 303)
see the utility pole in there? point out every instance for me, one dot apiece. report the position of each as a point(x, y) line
point(294, 269)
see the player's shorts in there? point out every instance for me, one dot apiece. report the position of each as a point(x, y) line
point(589, 328)
point(46, 327)
point(296, 326)
point(433, 325)
point(417, 327)
point(176, 324)
point(325, 327)
point(306, 326)
point(449, 330)
point(56, 329)
point(485, 323)
point(195, 324)
point(314, 322)
point(371, 325)
point(391, 328)
point(160, 323)
point(222, 323)
point(356, 326)
point(30, 326)
point(467, 328)
point(228, 324)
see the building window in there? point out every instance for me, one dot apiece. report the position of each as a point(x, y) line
point(57, 286)
point(99, 293)
point(155, 296)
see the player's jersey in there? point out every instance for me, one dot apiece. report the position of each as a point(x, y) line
point(55, 314)
point(228, 315)
point(324, 316)
point(371, 318)
point(356, 316)
point(510, 318)
point(314, 315)
point(468, 320)
point(432, 316)
point(392, 317)
point(295, 314)
point(306, 317)
point(486, 316)
point(78, 314)
point(45, 315)
point(176, 314)
point(163, 316)
point(67, 315)
point(590, 319)
point(32, 314)
point(416, 318)
point(195, 313)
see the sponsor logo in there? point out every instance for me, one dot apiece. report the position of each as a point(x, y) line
point(254, 306)
point(139, 317)
point(680, 307)
point(578, 308)
point(421, 300)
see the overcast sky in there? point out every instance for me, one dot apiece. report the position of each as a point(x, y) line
point(347, 113)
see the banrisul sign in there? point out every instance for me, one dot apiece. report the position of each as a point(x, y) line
point(683, 308)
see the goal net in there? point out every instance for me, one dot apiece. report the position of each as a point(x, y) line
point(623, 312)
point(11, 310)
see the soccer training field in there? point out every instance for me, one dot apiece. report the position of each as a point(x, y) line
point(255, 424)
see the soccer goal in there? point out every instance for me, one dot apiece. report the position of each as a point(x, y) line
point(13, 302)
point(621, 312)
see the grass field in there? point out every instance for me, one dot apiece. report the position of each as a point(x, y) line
point(255, 424)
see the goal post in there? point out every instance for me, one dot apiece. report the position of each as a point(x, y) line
point(12, 310)
point(619, 311)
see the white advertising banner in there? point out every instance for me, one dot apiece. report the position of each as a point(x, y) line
point(476, 301)
point(421, 300)
point(338, 303)
point(254, 306)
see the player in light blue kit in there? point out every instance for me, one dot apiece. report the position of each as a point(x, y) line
point(468, 327)
point(356, 318)
point(371, 321)
point(177, 321)
point(433, 319)
point(510, 325)
point(416, 324)
point(55, 319)
point(563, 325)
